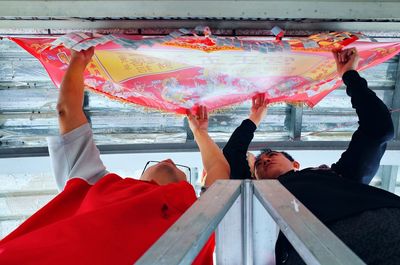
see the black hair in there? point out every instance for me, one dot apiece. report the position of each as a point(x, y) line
point(268, 150)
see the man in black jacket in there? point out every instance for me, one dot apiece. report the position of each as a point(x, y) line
point(367, 219)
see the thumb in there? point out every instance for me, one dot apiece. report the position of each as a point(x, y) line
point(336, 55)
point(266, 100)
point(189, 114)
point(352, 57)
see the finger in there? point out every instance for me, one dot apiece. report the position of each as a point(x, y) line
point(350, 53)
point(342, 55)
point(350, 56)
point(253, 101)
point(355, 52)
point(335, 55)
point(260, 101)
point(198, 113)
point(262, 98)
point(256, 99)
point(356, 57)
point(190, 114)
point(205, 113)
point(91, 51)
point(345, 56)
point(201, 113)
point(190, 117)
point(266, 101)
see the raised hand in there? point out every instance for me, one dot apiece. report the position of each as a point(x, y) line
point(346, 60)
point(214, 162)
point(83, 57)
point(199, 121)
point(69, 105)
point(258, 108)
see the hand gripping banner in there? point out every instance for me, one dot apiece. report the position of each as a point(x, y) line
point(181, 71)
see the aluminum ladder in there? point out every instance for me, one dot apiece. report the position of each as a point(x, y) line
point(246, 216)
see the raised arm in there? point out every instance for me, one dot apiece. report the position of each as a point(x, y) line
point(74, 153)
point(361, 159)
point(70, 101)
point(214, 162)
point(235, 150)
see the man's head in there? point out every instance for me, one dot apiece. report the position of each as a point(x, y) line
point(163, 173)
point(270, 164)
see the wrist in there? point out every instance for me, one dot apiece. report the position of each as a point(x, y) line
point(200, 132)
point(254, 120)
point(78, 61)
point(347, 70)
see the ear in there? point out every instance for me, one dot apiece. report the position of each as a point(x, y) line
point(296, 165)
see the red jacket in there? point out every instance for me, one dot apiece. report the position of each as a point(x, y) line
point(112, 222)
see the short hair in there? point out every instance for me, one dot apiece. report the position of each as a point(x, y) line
point(266, 151)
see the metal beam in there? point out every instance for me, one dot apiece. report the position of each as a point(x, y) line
point(189, 133)
point(247, 203)
point(312, 9)
point(14, 217)
point(396, 104)
point(228, 236)
point(265, 233)
point(389, 177)
point(233, 27)
point(86, 107)
point(18, 193)
point(295, 121)
point(190, 147)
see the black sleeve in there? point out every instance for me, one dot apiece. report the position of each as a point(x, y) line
point(235, 150)
point(361, 159)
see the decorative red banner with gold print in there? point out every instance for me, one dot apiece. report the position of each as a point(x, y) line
point(175, 73)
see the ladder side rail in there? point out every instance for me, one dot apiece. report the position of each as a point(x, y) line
point(265, 234)
point(229, 236)
point(181, 243)
point(247, 217)
point(315, 243)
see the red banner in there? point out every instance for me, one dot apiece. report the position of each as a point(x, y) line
point(176, 73)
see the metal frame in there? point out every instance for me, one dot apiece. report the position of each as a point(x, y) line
point(389, 177)
point(194, 8)
point(230, 229)
point(295, 120)
point(190, 146)
point(182, 242)
point(396, 104)
point(244, 27)
point(301, 27)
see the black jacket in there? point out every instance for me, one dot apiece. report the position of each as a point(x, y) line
point(340, 191)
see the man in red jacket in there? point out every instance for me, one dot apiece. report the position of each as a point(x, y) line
point(99, 217)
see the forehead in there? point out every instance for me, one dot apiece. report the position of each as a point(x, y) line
point(270, 154)
point(160, 166)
